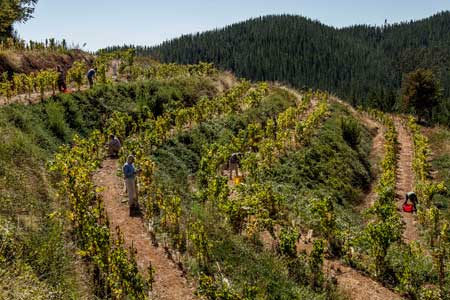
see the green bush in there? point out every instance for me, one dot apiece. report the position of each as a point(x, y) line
point(56, 120)
point(351, 131)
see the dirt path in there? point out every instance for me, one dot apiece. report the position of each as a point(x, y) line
point(352, 283)
point(35, 97)
point(169, 281)
point(405, 179)
point(357, 286)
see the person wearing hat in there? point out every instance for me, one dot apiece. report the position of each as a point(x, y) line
point(129, 173)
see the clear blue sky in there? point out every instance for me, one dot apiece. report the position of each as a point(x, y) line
point(100, 23)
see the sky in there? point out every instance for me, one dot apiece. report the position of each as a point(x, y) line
point(101, 23)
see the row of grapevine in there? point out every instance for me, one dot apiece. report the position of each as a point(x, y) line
point(21, 84)
point(257, 206)
point(26, 84)
point(384, 227)
point(437, 228)
point(114, 268)
point(422, 167)
point(134, 71)
point(40, 82)
point(155, 131)
point(51, 44)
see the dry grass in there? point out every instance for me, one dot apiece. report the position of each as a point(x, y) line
point(30, 61)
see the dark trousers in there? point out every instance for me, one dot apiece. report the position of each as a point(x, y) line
point(62, 86)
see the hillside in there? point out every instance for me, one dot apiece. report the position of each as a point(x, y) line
point(362, 64)
point(313, 215)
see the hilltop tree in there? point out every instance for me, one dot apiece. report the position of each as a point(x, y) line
point(421, 91)
point(14, 11)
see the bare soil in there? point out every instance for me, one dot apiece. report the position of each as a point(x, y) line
point(405, 179)
point(356, 286)
point(34, 97)
point(170, 284)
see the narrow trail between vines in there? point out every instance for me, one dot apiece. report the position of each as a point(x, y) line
point(405, 179)
point(170, 284)
point(354, 284)
point(35, 98)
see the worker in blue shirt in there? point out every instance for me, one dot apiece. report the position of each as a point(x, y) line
point(129, 173)
point(90, 76)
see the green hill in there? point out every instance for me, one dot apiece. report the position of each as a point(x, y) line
point(363, 64)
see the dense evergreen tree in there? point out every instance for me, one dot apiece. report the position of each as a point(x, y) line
point(14, 11)
point(363, 64)
point(420, 91)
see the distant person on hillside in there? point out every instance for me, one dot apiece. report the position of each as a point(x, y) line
point(114, 146)
point(61, 79)
point(411, 196)
point(90, 76)
point(234, 163)
point(130, 172)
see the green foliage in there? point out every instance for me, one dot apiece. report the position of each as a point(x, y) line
point(288, 241)
point(77, 73)
point(56, 120)
point(384, 227)
point(215, 225)
point(324, 209)
point(412, 267)
point(351, 131)
point(316, 263)
point(14, 11)
point(421, 92)
point(115, 270)
point(364, 65)
point(36, 250)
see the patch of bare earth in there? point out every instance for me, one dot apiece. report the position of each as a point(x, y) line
point(405, 179)
point(356, 286)
point(170, 284)
point(33, 98)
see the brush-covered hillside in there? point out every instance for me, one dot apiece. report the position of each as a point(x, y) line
point(313, 214)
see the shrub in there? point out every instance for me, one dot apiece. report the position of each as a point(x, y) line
point(56, 121)
point(351, 132)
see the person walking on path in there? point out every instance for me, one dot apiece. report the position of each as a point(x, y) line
point(130, 172)
point(411, 196)
point(90, 76)
point(114, 146)
point(233, 164)
point(61, 79)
